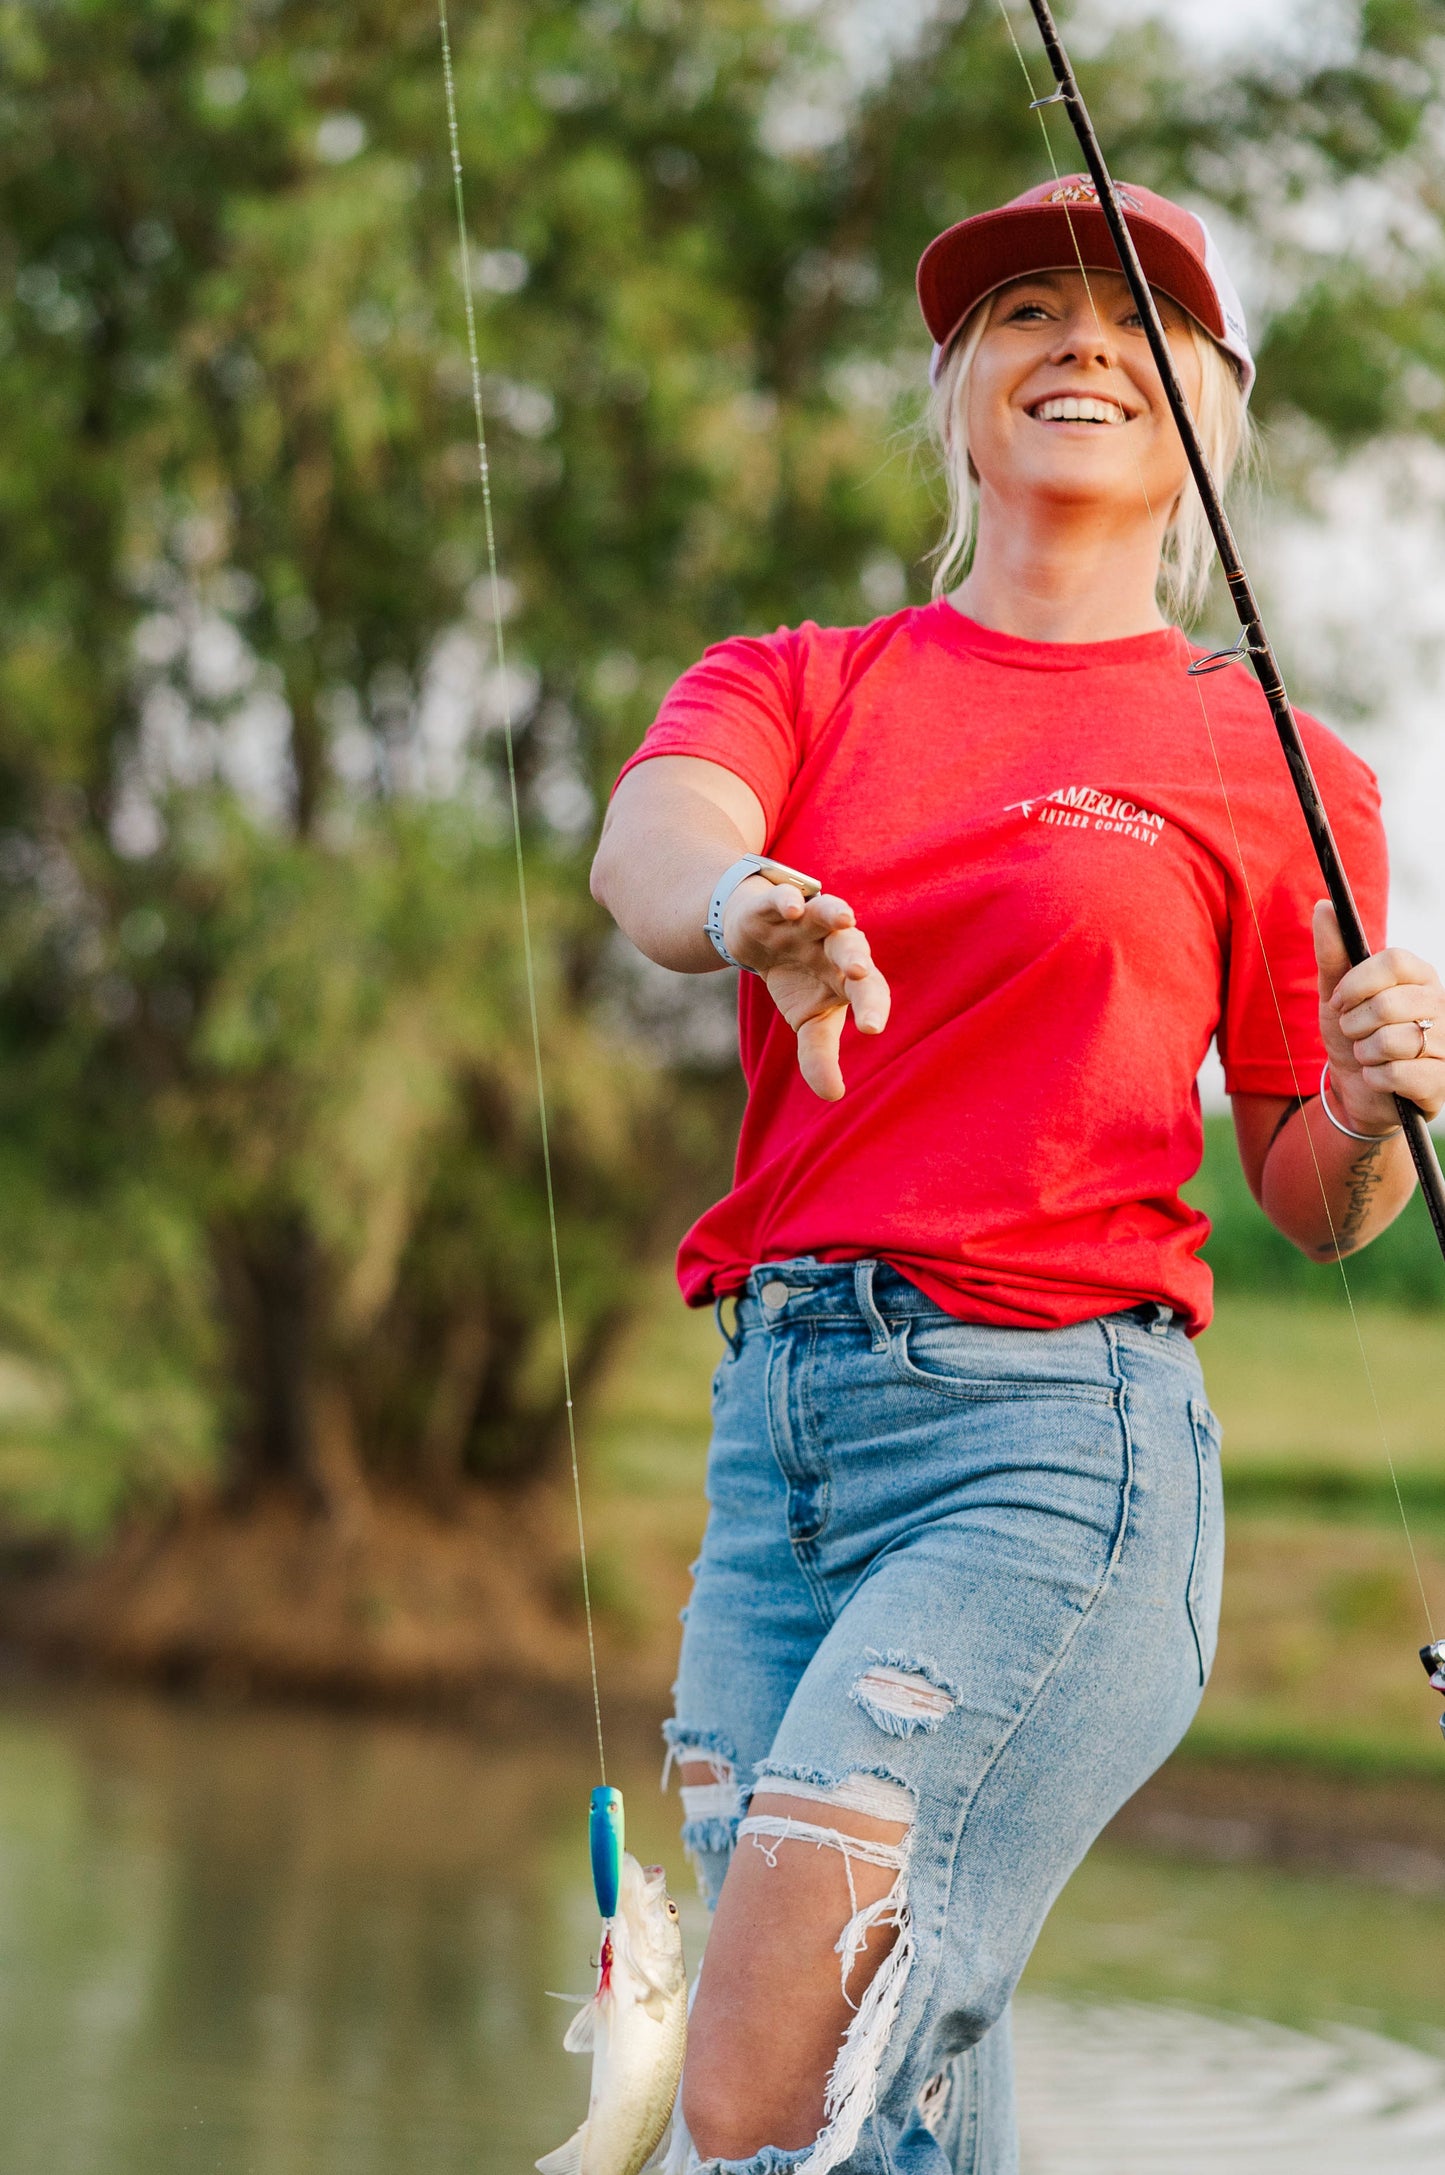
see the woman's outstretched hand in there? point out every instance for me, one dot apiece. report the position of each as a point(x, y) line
point(1369, 1018)
point(674, 823)
point(818, 967)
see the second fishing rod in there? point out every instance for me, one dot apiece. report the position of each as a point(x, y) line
point(1254, 643)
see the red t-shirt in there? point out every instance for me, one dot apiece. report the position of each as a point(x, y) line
point(1034, 839)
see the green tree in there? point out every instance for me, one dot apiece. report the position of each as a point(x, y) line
point(261, 1021)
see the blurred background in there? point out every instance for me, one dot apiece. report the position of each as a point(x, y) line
point(294, 1710)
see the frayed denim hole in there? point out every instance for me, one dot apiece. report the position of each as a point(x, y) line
point(780, 1771)
point(711, 1810)
point(685, 1740)
point(888, 1657)
point(878, 1792)
point(709, 1837)
point(902, 1695)
point(823, 1778)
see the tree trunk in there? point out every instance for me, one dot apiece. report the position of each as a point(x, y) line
point(441, 1450)
point(293, 1424)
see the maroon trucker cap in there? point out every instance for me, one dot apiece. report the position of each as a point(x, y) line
point(1048, 229)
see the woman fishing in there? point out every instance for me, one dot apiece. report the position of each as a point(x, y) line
point(998, 870)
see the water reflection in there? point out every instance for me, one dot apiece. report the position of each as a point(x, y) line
point(285, 1944)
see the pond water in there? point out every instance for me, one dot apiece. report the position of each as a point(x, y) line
point(277, 1943)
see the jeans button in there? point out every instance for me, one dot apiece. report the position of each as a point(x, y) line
point(775, 1295)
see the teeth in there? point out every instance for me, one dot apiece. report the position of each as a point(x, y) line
point(1078, 411)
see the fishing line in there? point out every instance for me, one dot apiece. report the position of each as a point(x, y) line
point(508, 740)
point(1039, 106)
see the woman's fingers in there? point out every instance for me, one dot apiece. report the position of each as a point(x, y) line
point(1422, 1083)
point(868, 994)
point(1383, 1027)
point(1407, 1045)
point(1371, 1017)
point(818, 1041)
point(1390, 986)
point(818, 1019)
point(767, 925)
point(1331, 958)
point(1399, 1006)
point(871, 1000)
point(1382, 971)
point(818, 966)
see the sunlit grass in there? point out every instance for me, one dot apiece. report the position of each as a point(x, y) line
point(1289, 1382)
point(1317, 1652)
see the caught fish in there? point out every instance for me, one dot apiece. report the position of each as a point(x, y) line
point(635, 2028)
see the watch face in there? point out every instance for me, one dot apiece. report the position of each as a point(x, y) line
point(778, 872)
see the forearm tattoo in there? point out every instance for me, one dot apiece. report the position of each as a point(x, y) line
point(1364, 1177)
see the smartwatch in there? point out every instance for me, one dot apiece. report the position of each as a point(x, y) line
point(751, 864)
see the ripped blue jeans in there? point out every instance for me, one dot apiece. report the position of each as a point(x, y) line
point(959, 1576)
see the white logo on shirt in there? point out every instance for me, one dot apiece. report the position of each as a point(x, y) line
point(1086, 808)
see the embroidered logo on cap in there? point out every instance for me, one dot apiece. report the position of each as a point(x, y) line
point(1084, 192)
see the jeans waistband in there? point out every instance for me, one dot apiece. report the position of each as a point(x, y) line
point(809, 1290)
point(806, 1289)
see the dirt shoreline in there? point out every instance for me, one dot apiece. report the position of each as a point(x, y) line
point(1389, 1830)
point(399, 1605)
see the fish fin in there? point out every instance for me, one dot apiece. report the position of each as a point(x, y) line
point(581, 2033)
point(655, 2006)
point(567, 2159)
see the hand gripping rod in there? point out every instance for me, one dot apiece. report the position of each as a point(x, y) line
point(1254, 642)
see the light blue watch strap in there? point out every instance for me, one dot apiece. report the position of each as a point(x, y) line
point(751, 864)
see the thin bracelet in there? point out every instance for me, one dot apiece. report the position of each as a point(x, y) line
point(1348, 1129)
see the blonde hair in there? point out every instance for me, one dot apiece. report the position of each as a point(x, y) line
point(1187, 553)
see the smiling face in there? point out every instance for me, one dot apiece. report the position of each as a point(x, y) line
point(1065, 404)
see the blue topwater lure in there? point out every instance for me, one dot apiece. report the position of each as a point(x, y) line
point(1434, 1660)
point(604, 1834)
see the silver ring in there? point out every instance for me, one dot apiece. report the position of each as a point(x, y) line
point(1424, 1049)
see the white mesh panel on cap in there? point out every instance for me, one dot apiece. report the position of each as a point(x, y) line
point(1236, 341)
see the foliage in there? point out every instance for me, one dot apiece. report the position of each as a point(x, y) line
point(1402, 1268)
point(107, 1350)
point(260, 1011)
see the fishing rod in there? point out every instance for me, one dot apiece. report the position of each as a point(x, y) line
point(1253, 644)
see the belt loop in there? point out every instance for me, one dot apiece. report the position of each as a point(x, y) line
point(1163, 1316)
point(867, 1305)
point(733, 1337)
